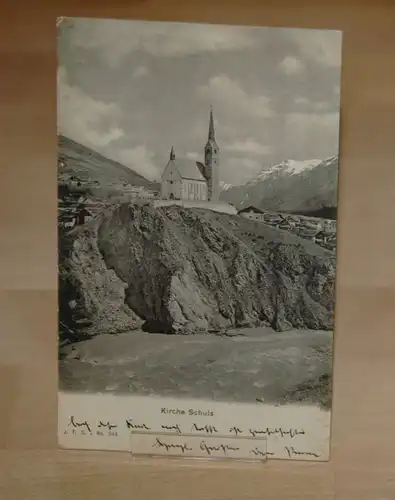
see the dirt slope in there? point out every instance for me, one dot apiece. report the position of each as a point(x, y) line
point(178, 270)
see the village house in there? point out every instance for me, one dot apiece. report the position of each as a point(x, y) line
point(250, 210)
point(82, 216)
point(308, 234)
point(273, 219)
point(252, 213)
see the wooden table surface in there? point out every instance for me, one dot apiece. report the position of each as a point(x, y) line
point(363, 456)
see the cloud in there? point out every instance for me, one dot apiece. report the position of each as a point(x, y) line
point(322, 106)
point(249, 146)
point(320, 46)
point(194, 156)
point(243, 168)
point(140, 72)
point(305, 122)
point(117, 38)
point(305, 132)
point(291, 65)
point(305, 105)
point(301, 101)
point(86, 120)
point(223, 90)
point(141, 160)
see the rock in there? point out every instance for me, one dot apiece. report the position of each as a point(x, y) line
point(178, 270)
point(99, 294)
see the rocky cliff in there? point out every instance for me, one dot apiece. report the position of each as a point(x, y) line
point(178, 270)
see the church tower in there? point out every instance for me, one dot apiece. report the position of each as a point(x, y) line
point(172, 154)
point(211, 161)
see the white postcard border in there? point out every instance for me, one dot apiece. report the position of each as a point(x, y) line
point(105, 422)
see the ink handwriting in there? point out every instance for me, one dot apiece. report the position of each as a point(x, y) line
point(279, 431)
point(159, 443)
point(106, 424)
point(175, 427)
point(292, 452)
point(235, 430)
point(209, 429)
point(83, 425)
point(131, 425)
point(221, 447)
point(259, 453)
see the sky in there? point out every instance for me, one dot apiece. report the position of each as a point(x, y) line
point(133, 89)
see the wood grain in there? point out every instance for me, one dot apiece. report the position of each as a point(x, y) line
point(363, 461)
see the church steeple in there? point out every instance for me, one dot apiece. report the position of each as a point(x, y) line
point(211, 161)
point(211, 131)
point(172, 154)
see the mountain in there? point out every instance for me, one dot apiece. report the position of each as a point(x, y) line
point(303, 187)
point(177, 270)
point(89, 167)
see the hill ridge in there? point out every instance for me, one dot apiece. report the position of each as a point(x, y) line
point(305, 188)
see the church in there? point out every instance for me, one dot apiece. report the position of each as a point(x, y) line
point(185, 179)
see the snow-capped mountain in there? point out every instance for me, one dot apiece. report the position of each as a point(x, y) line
point(308, 187)
point(291, 167)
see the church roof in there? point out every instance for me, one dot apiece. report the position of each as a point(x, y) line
point(251, 208)
point(188, 169)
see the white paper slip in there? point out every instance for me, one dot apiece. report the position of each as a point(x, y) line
point(192, 446)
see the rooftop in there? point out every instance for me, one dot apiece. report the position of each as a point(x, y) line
point(188, 169)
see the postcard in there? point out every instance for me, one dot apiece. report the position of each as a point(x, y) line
point(197, 227)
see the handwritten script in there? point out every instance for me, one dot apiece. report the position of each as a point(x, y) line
point(198, 447)
point(83, 426)
point(160, 443)
point(197, 439)
point(205, 429)
point(131, 425)
point(294, 453)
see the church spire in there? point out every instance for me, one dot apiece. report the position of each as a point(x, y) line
point(211, 162)
point(211, 132)
point(172, 154)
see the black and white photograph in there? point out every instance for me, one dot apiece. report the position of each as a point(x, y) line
point(197, 224)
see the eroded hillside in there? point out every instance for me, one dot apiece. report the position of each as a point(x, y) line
point(179, 270)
